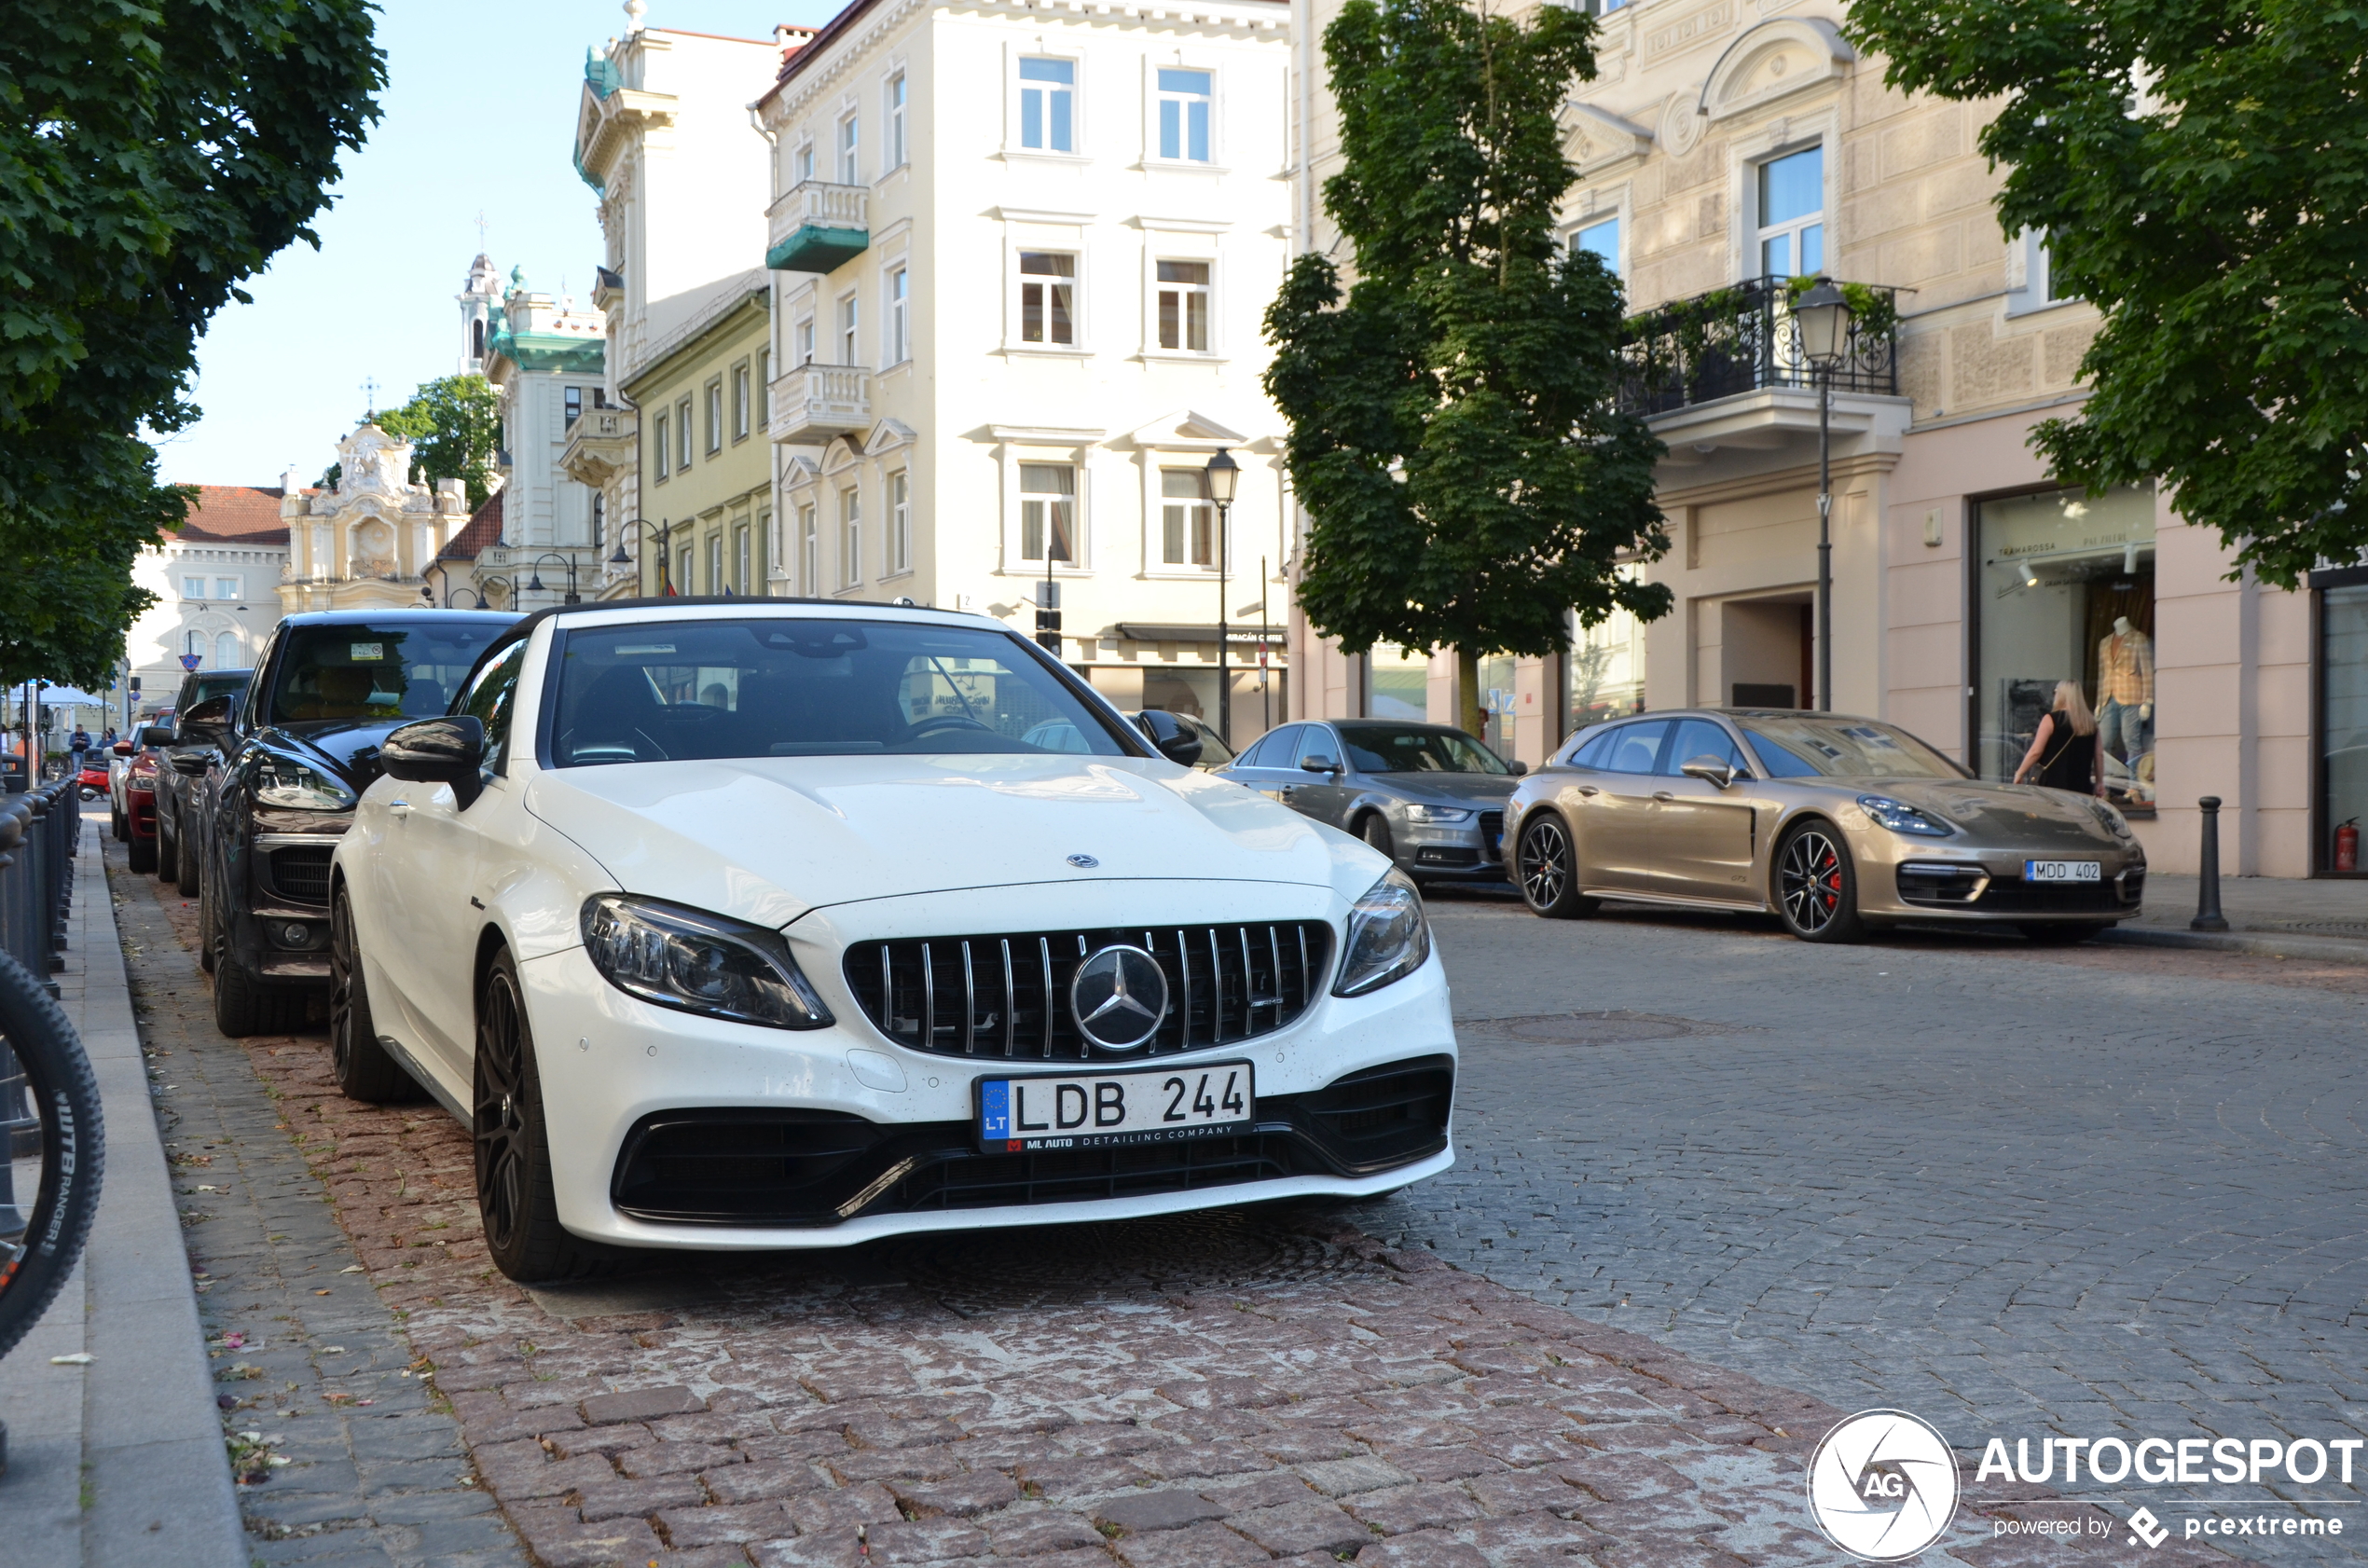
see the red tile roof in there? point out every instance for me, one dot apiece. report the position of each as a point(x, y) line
point(234, 515)
point(484, 528)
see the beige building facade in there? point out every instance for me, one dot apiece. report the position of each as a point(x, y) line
point(1728, 145)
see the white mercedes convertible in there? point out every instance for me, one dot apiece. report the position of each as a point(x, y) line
point(736, 924)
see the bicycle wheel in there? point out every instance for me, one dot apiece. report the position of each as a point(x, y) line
point(55, 1148)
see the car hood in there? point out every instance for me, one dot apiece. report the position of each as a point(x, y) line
point(2001, 816)
point(768, 839)
point(350, 748)
point(1451, 789)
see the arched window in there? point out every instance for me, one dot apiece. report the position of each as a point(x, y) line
point(476, 339)
point(225, 651)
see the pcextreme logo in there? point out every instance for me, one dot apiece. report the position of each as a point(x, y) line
point(1882, 1485)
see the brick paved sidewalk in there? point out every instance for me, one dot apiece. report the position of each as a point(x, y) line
point(1235, 1387)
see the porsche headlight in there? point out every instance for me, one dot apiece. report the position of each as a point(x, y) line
point(2109, 819)
point(1389, 939)
point(700, 963)
point(1417, 812)
point(1900, 818)
point(298, 786)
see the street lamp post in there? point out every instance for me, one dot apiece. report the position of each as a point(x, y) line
point(534, 582)
point(1224, 478)
point(663, 530)
point(1822, 317)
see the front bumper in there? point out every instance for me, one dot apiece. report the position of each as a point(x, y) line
point(1468, 851)
point(671, 1130)
point(1990, 889)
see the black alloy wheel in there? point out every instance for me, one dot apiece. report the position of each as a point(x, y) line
point(1548, 869)
point(188, 879)
point(513, 1146)
point(1817, 886)
point(365, 1069)
point(168, 851)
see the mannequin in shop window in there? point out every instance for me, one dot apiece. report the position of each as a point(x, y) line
point(2064, 754)
point(2125, 698)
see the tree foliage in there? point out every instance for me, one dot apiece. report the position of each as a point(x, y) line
point(2201, 170)
point(153, 155)
point(456, 423)
point(1453, 434)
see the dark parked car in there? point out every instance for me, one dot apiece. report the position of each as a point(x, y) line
point(286, 762)
point(1428, 796)
point(174, 824)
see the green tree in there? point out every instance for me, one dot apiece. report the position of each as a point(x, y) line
point(457, 425)
point(153, 155)
point(2200, 168)
point(1453, 431)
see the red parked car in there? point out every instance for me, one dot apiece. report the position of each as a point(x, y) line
point(139, 809)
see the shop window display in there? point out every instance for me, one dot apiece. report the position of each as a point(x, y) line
point(1496, 703)
point(2343, 726)
point(2065, 591)
point(1401, 683)
point(1604, 672)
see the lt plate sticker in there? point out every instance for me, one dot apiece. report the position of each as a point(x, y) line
point(1086, 1110)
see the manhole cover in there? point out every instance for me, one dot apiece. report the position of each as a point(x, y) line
point(978, 1271)
point(1589, 1028)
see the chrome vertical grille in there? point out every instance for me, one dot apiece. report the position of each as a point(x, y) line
point(1005, 997)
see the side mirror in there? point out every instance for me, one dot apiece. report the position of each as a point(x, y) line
point(154, 735)
point(1519, 768)
point(206, 724)
point(447, 750)
point(189, 764)
point(1315, 761)
point(123, 749)
point(1710, 770)
point(1169, 736)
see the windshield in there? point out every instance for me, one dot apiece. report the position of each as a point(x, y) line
point(673, 691)
point(1404, 749)
point(390, 669)
point(1843, 748)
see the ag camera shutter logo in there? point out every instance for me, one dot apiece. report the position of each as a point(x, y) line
point(1882, 1485)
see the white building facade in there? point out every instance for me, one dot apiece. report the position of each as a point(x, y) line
point(546, 357)
point(217, 586)
point(1021, 255)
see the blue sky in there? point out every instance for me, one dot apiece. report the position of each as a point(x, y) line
point(478, 116)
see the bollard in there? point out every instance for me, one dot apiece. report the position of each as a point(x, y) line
point(2208, 915)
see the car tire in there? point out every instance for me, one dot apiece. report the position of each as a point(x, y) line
point(243, 1006)
point(187, 877)
point(1374, 830)
point(168, 854)
point(115, 821)
point(1817, 884)
point(514, 1196)
point(141, 856)
point(1546, 867)
point(2059, 934)
point(205, 932)
point(364, 1069)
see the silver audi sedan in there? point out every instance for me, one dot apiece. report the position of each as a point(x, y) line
point(1428, 796)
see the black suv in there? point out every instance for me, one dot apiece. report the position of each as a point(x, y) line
point(175, 779)
point(289, 759)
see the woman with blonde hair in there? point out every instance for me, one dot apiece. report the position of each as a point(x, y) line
point(2064, 754)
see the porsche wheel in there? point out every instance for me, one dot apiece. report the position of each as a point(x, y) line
point(1546, 868)
point(1817, 885)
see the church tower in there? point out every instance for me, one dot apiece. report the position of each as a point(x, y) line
point(477, 313)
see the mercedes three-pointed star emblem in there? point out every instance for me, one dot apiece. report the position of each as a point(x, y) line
point(1119, 997)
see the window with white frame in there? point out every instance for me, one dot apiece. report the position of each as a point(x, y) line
point(1792, 214)
point(851, 537)
point(741, 553)
point(663, 446)
point(899, 154)
point(572, 402)
point(2038, 288)
point(1048, 512)
point(682, 435)
point(805, 339)
point(193, 587)
point(899, 316)
point(1048, 297)
point(772, 537)
point(804, 162)
point(900, 541)
point(1187, 527)
point(739, 403)
point(764, 386)
point(1048, 106)
point(809, 531)
point(683, 583)
point(1184, 98)
point(716, 583)
point(1602, 238)
point(850, 147)
point(227, 588)
point(715, 416)
point(851, 330)
point(1183, 305)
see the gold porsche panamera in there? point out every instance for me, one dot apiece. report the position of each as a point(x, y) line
point(1832, 824)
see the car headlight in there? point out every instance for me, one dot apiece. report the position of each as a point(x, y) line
point(1417, 812)
point(700, 963)
point(2109, 819)
point(283, 781)
point(1389, 939)
point(1900, 818)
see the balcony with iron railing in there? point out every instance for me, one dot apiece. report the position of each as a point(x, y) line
point(816, 401)
point(816, 227)
point(1743, 340)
